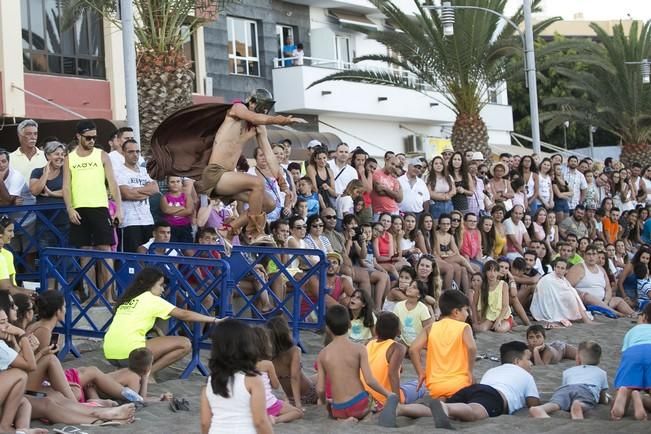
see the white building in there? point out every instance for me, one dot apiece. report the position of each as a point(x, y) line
point(377, 118)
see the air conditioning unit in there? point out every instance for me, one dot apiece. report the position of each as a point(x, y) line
point(414, 144)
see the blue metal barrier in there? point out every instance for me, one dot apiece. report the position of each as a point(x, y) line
point(36, 223)
point(211, 276)
point(300, 310)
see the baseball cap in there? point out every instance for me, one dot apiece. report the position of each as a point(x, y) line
point(85, 125)
point(415, 162)
point(313, 144)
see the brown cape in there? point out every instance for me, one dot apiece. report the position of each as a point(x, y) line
point(182, 143)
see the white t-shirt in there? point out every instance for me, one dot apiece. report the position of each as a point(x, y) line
point(591, 376)
point(413, 196)
point(576, 182)
point(7, 356)
point(348, 173)
point(136, 212)
point(514, 383)
point(518, 231)
point(344, 205)
point(171, 252)
point(117, 160)
point(18, 186)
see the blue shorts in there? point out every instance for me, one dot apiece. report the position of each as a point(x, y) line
point(635, 368)
point(411, 392)
point(561, 205)
point(438, 207)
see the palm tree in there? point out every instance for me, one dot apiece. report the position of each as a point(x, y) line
point(462, 68)
point(165, 76)
point(608, 93)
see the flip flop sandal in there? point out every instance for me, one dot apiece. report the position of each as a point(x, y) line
point(102, 422)
point(69, 429)
point(179, 404)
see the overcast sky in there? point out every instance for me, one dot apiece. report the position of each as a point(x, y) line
point(594, 9)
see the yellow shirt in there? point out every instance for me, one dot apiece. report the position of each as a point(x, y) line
point(131, 323)
point(446, 366)
point(87, 179)
point(4, 267)
point(19, 162)
point(411, 321)
point(9, 264)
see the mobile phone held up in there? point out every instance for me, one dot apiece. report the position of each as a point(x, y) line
point(54, 340)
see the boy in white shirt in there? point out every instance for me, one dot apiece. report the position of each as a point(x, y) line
point(502, 390)
point(584, 386)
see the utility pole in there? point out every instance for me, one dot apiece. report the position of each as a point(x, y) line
point(130, 77)
point(531, 76)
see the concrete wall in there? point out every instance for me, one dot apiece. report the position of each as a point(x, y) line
point(267, 13)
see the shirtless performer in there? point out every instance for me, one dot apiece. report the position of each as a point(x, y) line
point(219, 178)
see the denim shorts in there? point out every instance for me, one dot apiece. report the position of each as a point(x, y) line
point(561, 205)
point(439, 207)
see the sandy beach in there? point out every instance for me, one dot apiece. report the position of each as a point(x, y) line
point(159, 419)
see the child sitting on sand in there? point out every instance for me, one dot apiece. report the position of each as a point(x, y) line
point(583, 387)
point(451, 348)
point(362, 324)
point(342, 361)
point(504, 389)
point(233, 401)
point(277, 409)
point(406, 275)
point(634, 367)
point(413, 314)
point(547, 354)
point(299, 389)
point(641, 271)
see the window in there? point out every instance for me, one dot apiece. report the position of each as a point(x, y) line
point(47, 48)
point(243, 58)
point(188, 52)
point(342, 51)
point(282, 33)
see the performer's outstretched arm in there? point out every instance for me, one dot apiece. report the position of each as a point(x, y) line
point(242, 112)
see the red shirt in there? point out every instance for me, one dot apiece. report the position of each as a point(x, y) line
point(383, 203)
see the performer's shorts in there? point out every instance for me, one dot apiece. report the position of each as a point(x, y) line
point(209, 180)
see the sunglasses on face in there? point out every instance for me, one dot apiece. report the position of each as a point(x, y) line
point(456, 220)
point(89, 138)
point(330, 216)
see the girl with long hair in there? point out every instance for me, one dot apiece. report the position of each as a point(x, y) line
point(441, 189)
point(545, 190)
point(458, 170)
point(319, 172)
point(562, 193)
point(492, 302)
point(528, 172)
point(498, 212)
point(487, 229)
point(135, 314)
point(429, 282)
point(234, 401)
point(362, 318)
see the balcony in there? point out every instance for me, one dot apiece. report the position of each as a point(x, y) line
point(369, 101)
point(359, 6)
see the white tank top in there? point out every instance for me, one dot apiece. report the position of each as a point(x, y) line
point(231, 415)
point(269, 396)
point(545, 187)
point(647, 185)
point(531, 186)
point(592, 283)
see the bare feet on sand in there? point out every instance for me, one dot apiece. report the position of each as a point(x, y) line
point(124, 412)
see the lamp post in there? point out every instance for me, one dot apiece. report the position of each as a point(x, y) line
point(645, 69)
point(447, 19)
point(592, 131)
point(566, 125)
point(131, 80)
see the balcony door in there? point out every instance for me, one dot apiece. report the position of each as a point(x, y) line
point(282, 33)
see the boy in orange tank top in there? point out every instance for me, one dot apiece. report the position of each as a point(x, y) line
point(450, 346)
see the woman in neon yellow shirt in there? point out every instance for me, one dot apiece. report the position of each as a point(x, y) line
point(135, 314)
point(7, 268)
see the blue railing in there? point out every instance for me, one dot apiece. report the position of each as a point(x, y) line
point(69, 268)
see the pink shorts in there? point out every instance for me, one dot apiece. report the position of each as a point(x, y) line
point(275, 409)
point(72, 377)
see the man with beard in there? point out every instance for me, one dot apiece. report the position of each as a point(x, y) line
point(340, 288)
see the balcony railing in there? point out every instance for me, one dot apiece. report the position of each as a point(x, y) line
point(280, 62)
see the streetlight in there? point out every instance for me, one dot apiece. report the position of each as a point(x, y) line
point(566, 125)
point(592, 131)
point(447, 19)
point(645, 69)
